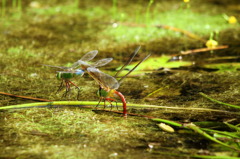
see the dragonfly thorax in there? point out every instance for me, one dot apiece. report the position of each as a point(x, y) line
point(104, 93)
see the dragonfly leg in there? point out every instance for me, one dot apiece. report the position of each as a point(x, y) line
point(78, 95)
point(60, 87)
point(110, 100)
point(67, 88)
point(65, 93)
point(116, 105)
point(104, 104)
point(76, 88)
point(98, 102)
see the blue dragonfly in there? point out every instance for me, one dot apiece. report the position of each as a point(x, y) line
point(67, 73)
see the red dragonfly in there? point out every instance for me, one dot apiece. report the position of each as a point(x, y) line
point(108, 85)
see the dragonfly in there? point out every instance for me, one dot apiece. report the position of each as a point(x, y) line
point(108, 85)
point(68, 73)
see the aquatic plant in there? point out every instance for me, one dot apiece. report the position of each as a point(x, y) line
point(147, 15)
point(77, 3)
point(15, 10)
point(187, 2)
point(19, 6)
point(3, 8)
point(211, 43)
point(216, 101)
point(230, 19)
point(114, 9)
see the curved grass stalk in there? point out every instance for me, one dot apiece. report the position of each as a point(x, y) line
point(3, 8)
point(177, 108)
point(51, 104)
point(167, 153)
point(114, 8)
point(206, 135)
point(19, 6)
point(216, 101)
point(214, 157)
point(148, 11)
point(197, 130)
point(93, 103)
point(173, 123)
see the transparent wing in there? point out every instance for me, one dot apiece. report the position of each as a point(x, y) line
point(129, 60)
point(133, 68)
point(89, 56)
point(75, 64)
point(61, 67)
point(73, 71)
point(104, 80)
point(102, 62)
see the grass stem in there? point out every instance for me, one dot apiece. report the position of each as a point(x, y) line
point(216, 101)
point(3, 8)
point(148, 12)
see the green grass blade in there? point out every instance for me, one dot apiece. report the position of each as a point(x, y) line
point(237, 128)
point(167, 122)
point(216, 101)
point(203, 133)
point(93, 103)
point(225, 133)
point(50, 104)
point(214, 157)
point(3, 8)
